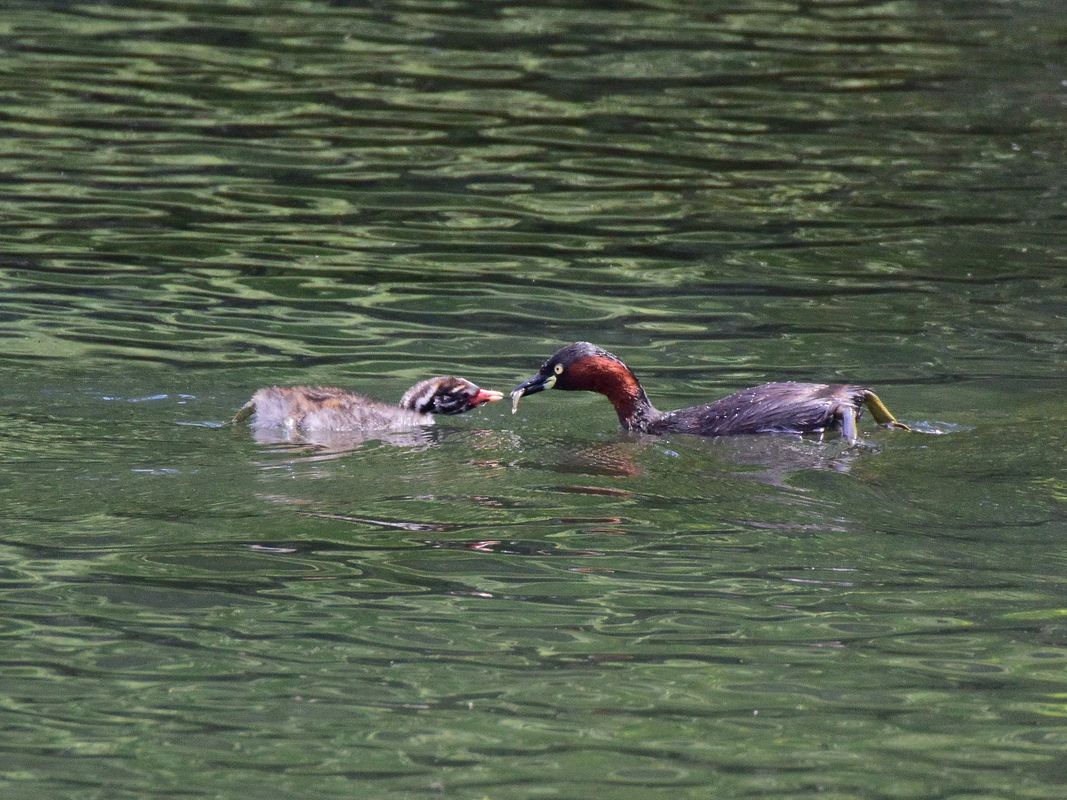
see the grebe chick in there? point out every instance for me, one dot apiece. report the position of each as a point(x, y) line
point(771, 408)
point(324, 408)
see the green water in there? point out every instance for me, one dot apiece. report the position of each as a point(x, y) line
point(199, 199)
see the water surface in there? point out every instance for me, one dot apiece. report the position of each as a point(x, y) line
point(203, 198)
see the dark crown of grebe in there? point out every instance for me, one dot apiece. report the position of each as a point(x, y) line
point(785, 407)
point(446, 395)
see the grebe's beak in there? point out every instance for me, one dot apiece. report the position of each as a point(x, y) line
point(486, 396)
point(538, 383)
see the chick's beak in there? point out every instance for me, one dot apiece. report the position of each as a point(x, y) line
point(486, 396)
point(538, 383)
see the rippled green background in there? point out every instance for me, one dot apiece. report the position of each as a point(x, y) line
point(197, 199)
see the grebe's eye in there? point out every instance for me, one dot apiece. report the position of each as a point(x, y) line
point(558, 369)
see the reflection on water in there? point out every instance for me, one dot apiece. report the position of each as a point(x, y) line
point(200, 199)
point(337, 442)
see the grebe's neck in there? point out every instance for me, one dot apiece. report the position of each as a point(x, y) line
point(616, 381)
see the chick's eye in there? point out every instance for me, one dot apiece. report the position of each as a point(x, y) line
point(559, 369)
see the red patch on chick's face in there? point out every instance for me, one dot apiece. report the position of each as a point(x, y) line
point(485, 396)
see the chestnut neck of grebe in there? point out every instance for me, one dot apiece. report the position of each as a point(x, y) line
point(613, 379)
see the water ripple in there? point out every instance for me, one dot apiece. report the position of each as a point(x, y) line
point(202, 199)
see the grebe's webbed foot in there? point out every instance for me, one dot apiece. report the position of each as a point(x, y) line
point(243, 413)
point(881, 414)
